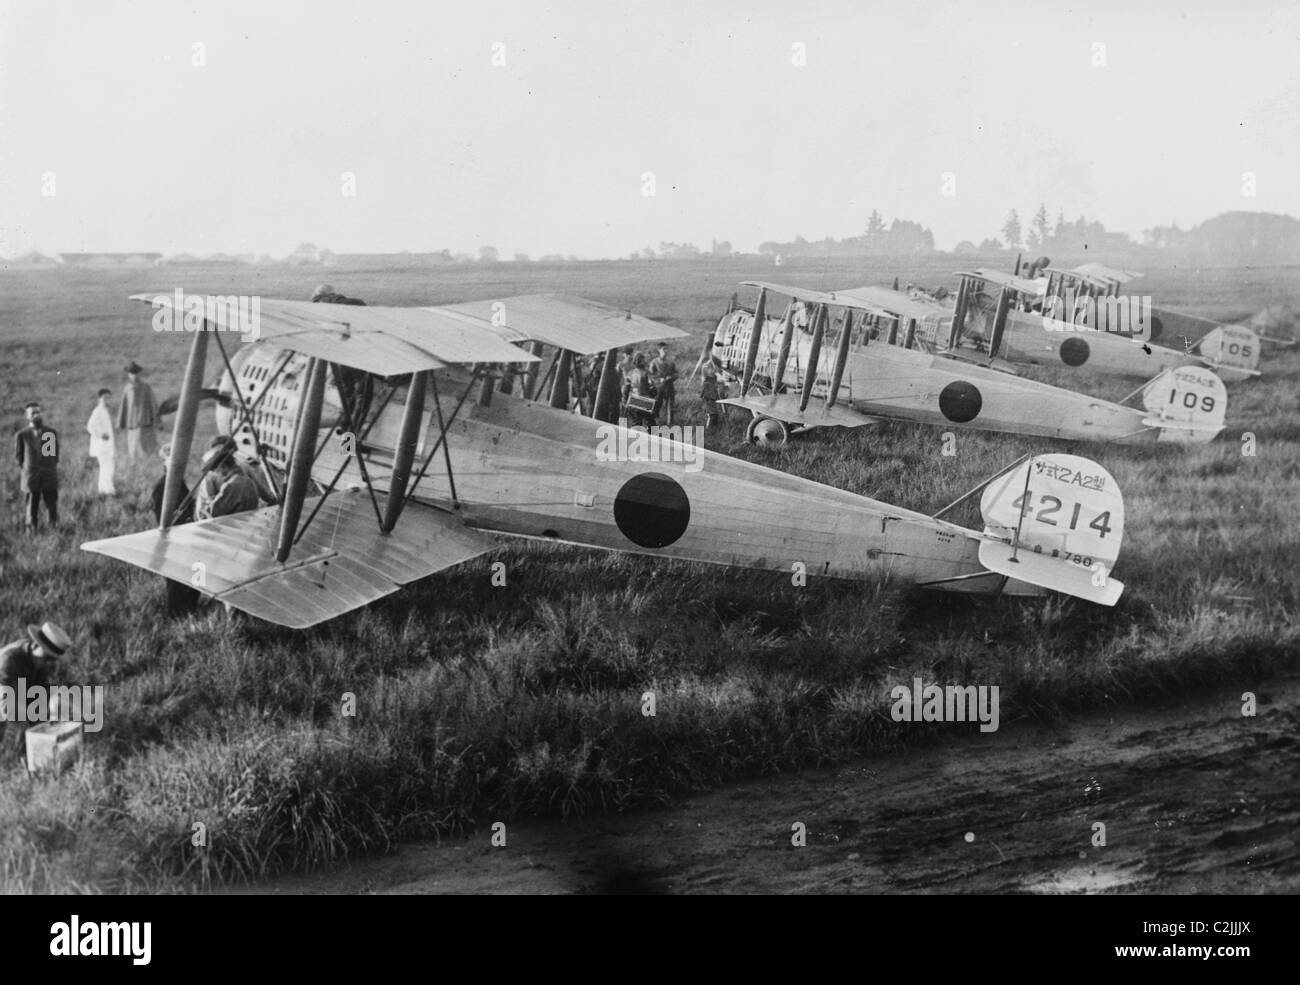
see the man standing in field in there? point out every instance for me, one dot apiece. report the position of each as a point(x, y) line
point(102, 445)
point(663, 376)
point(30, 662)
point(36, 450)
point(137, 414)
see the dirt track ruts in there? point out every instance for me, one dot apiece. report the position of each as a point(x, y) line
point(1195, 797)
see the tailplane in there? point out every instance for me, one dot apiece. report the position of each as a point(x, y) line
point(1232, 350)
point(1187, 403)
point(1057, 521)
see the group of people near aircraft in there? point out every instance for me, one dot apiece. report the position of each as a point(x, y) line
point(37, 446)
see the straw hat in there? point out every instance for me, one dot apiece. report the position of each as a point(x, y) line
point(50, 638)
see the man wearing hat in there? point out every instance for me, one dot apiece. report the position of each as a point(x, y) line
point(36, 450)
point(137, 414)
point(225, 488)
point(31, 662)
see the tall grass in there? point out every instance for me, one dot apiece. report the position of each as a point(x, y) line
point(475, 704)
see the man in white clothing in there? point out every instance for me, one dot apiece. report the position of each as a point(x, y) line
point(102, 445)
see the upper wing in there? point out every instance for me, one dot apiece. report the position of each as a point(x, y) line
point(876, 300)
point(564, 321)
point(1034, 288)
point(798, 293)
point(385, 341)
point(395, 341)
point(893, 302)
point(341, 563)
point(1108, 273)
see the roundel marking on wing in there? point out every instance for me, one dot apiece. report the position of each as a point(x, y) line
point(1074, 352)
point(960, 401)
point(652, 510)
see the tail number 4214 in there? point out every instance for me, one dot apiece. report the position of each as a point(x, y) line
point(1050, 506)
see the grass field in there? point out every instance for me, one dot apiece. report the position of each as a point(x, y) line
point(477, 704)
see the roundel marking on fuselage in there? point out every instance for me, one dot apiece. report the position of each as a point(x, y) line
point(652, 510)
point(1074, 352)
point(1157, 328)
point(960, 401)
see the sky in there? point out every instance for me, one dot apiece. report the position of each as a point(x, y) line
point(598, 129)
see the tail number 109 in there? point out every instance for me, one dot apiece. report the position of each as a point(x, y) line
point(1190, 400)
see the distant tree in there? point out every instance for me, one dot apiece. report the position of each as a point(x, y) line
point(965, 246)
point(1011, 230)
point(522, 258)
point(989, 245)
point(722, 249)
point(1039, 228)
point(875, 233)
point(909, 237)
point(1060, 224)
point(488, 254)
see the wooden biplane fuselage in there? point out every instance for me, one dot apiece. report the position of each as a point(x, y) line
point(525, 468)
point(1083, 323)
point(888, 371)
point(386, 478)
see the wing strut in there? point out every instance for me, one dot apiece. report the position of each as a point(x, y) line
point(959, 311)
point(814, 356)
point(408, 438)
point(304, 446)
point(530, 372)
point(183, 430)
point(999, 323)
point(606, 408)
point(783, 354)
point(560, 388)
point(841, 359)
point(755, 338)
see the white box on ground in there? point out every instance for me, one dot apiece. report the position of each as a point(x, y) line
point(53, 746)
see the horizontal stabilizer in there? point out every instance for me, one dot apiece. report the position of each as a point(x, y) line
point(1051, 573)
point(341, 563)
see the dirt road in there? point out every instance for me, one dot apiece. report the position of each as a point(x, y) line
point(1194, 797)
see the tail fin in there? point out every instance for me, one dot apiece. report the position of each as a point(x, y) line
point(1187, 403)
point(1057, 522)
point(1233, 350)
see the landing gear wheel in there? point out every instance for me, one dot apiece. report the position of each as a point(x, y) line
point(767, 432)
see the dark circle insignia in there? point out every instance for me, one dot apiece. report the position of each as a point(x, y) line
point(960, 401)
point(1074, 352)
point(652, 510)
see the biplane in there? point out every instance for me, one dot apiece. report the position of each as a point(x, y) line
point(852, 358)
point(1079, 319)
point(403, 441)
